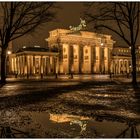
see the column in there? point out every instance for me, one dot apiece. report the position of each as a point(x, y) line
point(18, 65)
point(23, 61)
point(106, 59)
point(87, 59)
point(71, 58)
point(127, 66)
point(57, 65)
point(26, 64)
point(76, 58)
point(41, 64)
point(45, 66)
point(60, 58)
point(49, 65)
point(94, 59)
point(97, 69)
point(80, 58)
point(66, 58)
point(118, 67)
point(33, 64)
point(22, 65)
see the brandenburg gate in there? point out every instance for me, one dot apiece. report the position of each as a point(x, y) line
point(81, 51)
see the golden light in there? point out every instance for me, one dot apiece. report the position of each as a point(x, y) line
point(102, 44)
point(9, 52)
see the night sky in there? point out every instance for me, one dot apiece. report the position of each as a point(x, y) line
point(69, 14)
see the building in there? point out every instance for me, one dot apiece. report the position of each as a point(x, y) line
point(121, 60)
point(82, 51)
point(78, 52)
point(33, 61)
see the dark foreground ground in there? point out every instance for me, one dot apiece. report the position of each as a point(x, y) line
point(83, 107)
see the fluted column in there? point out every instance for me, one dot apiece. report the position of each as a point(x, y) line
point(92, 58)
point(106, 60)
point(49, 65)
point(60, 58)
point(80, 58)
point(57, 65)
point(41, 65)
point(70, 59)
point(97, 59)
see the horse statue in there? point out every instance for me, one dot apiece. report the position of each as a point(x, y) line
point(79, 27)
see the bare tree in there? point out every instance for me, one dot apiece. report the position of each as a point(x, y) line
point(18, 19)
point(122, 18)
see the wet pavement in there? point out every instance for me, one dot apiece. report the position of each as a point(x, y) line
point(87, 107)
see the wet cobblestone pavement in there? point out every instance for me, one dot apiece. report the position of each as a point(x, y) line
point(34, 105)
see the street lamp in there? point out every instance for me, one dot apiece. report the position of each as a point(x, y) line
point(9, 52)
point(102, 44)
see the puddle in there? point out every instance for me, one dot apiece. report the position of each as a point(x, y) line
point(45, 125)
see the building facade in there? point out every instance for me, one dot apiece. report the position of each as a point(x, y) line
point(121, 60)
point(78, 52)
point(81, 52)
point(33, 61)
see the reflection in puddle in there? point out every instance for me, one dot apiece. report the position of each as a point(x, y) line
point(43, 124)
point(70, 126)
point(61, 118)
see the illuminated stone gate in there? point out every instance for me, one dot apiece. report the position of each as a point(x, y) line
point(82, 51)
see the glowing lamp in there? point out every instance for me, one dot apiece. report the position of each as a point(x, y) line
point(102, 44)
point(9, 52)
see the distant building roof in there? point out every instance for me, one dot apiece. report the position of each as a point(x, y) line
point(36, 49)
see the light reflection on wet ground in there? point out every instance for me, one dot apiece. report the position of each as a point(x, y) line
point(48, 125)
point(61, 98)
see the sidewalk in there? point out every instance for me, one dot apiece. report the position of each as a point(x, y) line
point(123, 80)
point(74, 77)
